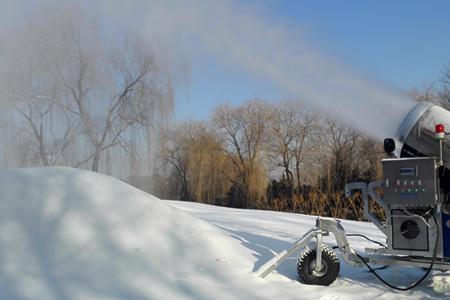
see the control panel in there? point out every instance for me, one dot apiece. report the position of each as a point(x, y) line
point(410, 182)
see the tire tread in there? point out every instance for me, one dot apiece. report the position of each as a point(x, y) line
point(332, 261)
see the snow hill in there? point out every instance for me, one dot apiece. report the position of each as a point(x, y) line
point(71, 234)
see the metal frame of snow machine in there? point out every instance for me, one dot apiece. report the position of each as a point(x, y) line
point(319, 265)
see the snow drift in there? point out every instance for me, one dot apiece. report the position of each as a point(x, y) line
point(71, 234)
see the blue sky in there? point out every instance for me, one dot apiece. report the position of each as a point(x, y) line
point(403, 43)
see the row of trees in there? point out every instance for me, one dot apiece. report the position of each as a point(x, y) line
point(259, 155)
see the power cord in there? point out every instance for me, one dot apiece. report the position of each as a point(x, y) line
point(370, 240)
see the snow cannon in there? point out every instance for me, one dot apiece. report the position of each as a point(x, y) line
point(415, 196)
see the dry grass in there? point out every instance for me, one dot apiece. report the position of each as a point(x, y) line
point(334, 205)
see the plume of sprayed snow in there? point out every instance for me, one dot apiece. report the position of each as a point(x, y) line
point(275, 51)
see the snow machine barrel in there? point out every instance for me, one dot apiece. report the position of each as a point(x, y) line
point(416, 135)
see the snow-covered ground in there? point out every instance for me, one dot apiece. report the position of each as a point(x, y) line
point(71, 234)
point(265, 233)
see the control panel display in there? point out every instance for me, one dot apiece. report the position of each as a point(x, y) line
point(408, 171)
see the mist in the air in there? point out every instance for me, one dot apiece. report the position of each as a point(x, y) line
point(227, 31)
point(242, 36)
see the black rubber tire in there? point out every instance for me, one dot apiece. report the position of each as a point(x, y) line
point(330, 267)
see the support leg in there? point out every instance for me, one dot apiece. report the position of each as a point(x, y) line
point(324, 226)
point(269, 266)
point(318, 266)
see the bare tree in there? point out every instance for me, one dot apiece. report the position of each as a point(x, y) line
point(191, 152)
point(244, 132)
point(437, 92)
point(35, 112)
point(444, 89)
point(369, 154)
point(174, 155)
point(32, 94)
point(81, 95)
point(427, 92)
point(112, 94)
point(289, 142)
point(340, 144)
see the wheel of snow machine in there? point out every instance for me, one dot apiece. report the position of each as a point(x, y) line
point(330, 267)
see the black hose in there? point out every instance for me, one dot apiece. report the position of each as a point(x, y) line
point(370, 240)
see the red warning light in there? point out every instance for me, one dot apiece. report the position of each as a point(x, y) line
point(439, 132)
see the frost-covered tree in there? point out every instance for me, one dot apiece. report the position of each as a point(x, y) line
point(82, 97)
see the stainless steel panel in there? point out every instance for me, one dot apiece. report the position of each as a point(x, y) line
point(410, 182)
